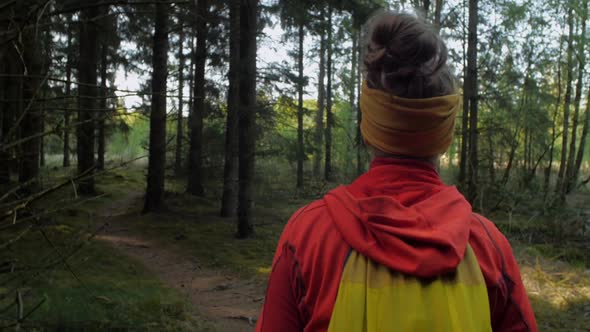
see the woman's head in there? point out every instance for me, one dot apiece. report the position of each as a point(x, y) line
point(409, 103)
point(406, 57)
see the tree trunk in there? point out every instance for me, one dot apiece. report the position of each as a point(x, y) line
point(464, 155)
point(352, 95)
point(191, 90)
point(47, 58)
point(300, 147)
point(5, 121)
point(154, 197)
point(319, 120)
point(571, 173)
point(491, 166)
point(359, 116)
point(438, 15)
point(87, 94)
point(66, 132)
point(42, 129)
point(529, 149)
point(361, 149)
point(472, 84)
point(101, 140)
point(32, 120)
point(560, 188)
point(583, 138)
point(513, 147)
point(229, 201)
point(247, 115)
point(329, 115)
point(12, 88)
point(195, 170)
point(179, 117)
point(549, 168)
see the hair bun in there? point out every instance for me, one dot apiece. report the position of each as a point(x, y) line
point(406, 57)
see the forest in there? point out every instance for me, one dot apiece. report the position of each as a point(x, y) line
point(152, 151)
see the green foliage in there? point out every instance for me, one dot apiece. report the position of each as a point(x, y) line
point(131, 140)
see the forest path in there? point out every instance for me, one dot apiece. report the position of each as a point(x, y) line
point(223, 300)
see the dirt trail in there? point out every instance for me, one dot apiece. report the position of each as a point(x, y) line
point(226, 302)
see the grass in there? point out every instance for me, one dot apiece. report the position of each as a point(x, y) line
point(559, 292)
point(99, 288)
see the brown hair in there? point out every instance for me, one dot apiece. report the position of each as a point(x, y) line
point(406, 57)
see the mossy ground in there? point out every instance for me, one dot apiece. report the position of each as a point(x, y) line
point(98, 288)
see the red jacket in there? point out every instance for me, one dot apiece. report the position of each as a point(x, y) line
point(400, 215)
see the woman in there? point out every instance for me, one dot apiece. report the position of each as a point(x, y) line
point(397, 250)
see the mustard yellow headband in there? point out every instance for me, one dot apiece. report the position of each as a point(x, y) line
point(410, 127)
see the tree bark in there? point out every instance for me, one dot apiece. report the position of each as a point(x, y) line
point(229, 201)
point(11, 108)
point(195, 169)
point(47, 58)
point(571, 172)
point(300, 146)
point(247, 115)
point(329, 115)
point(31, 124)
point(583, 139)
point(43, 112)
point(560, 188)
point(511, 155)
point(5, 121)
point(437, 21)
point(66, 131)
point(359, 115)
point(87, 94)
point(464, 155)
point(491, 166)
point(352, 97)
point(179, 117)
point(154, 198)
point(472, 84)
point(549, 168)
point(319, 120)
point(101, 140)
point(191, 90)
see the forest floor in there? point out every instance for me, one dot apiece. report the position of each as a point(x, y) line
point(225, 301)
point(183, 269)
